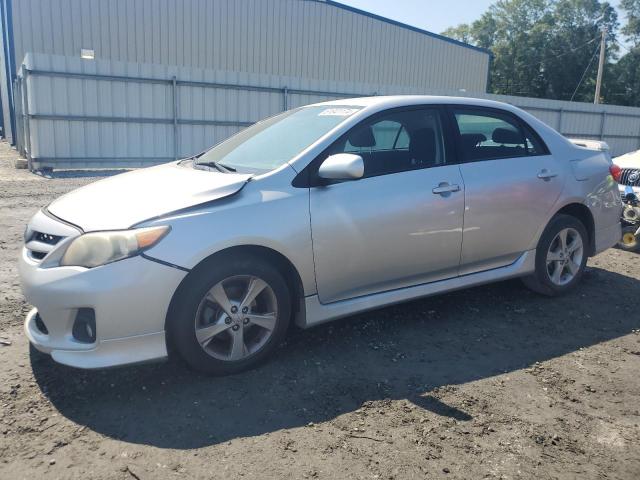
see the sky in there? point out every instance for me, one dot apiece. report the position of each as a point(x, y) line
point(432, 15)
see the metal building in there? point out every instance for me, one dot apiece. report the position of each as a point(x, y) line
point(311, 39)
point(127, 83)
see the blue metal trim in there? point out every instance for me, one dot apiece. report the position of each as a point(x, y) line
point(12, 49)
point(7, 74)
point(404, 25)
point(9, 60)
point(4, 132)
point(487, 88)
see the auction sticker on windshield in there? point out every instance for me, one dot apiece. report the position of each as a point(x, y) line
point(337, 112)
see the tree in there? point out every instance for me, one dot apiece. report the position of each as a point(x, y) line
point(462, 32)
point(632, 29)
point(626, 88)
point(543, 47)
point(574, 47)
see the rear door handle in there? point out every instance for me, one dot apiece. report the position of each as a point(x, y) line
point(546, 175)
point(445, 188)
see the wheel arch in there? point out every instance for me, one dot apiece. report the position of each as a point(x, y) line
point(581, 212)
point(277, 259)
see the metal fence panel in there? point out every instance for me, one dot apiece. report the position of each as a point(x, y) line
point(88, 114)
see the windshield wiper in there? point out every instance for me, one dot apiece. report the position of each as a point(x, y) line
point(227, 167)
point(220, 166)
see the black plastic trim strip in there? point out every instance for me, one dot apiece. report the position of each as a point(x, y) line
point(162, 262)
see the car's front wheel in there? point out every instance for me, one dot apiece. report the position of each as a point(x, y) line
point(230, 315)
point(561, 257)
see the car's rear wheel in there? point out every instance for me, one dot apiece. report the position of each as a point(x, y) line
point(230, 315)
point(561, 257)
point(629, 240)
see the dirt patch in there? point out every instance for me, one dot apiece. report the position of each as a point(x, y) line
point(492, 382)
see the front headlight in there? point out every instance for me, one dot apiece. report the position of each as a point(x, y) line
point(99, 248)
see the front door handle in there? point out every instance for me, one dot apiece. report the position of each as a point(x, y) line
point(445, 188)
point(546, 175)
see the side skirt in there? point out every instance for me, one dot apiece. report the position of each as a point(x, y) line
point(318, 313)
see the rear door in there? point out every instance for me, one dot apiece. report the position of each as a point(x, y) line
point(400, 225)
point(511, 184)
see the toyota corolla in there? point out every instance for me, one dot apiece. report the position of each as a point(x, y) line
point(308, 216)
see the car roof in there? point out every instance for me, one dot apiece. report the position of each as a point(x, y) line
point(383, 102)
point(373, 105)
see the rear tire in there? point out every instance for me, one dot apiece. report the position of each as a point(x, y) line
point(230, 315)
point(629, 242)
point(561, 257)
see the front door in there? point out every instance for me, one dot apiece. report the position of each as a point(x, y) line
point(398, 226)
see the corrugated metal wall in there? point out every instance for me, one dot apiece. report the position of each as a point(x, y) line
point(298, 38)
point(108, 113)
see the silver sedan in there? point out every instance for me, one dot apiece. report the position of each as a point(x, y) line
point(308, 216)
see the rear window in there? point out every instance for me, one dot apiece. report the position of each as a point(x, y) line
point(489, 136)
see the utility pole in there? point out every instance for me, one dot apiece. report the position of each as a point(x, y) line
point(603, 48)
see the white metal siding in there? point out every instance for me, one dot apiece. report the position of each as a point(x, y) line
point(82, 142)
point(298, 38)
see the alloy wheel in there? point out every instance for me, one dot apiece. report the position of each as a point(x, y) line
point(564, 257)
point(236, 317)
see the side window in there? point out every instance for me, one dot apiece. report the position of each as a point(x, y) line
point(388, 135)
point(488, 136)
point(396, 142)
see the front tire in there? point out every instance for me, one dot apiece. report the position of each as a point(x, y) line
point(230, 315)
point(561, 257)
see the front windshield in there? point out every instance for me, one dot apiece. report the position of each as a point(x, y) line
point(276, 140)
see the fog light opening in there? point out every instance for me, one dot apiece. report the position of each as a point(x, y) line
point(84, 326)
point(40, 325)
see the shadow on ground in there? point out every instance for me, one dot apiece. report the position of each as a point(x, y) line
point(398, 352)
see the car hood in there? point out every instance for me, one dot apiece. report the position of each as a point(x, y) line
point(630, 160)
point(123, 200)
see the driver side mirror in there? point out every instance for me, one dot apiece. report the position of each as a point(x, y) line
point(342, 166)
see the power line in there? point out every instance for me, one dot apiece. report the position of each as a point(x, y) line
point(510, 85)
point(585, 73)
point(624, 47)
point(569, 52)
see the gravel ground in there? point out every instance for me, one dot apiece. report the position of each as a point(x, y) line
point(493, 382)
